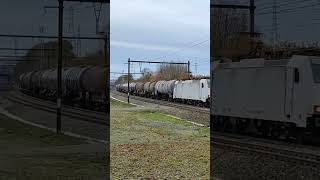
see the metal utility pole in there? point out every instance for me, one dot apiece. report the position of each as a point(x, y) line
point(97, 12)
point(189, 73)
point(60, 56)
point(275, 34)
point(78, 42)
point(107, 65)
point(60, 44)
point(251, 8)
point(196, 67)
point(41, 31)
point(71, 28)
point(128, 80)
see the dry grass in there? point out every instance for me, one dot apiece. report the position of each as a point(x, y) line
point(27, 152)
point(148, 144)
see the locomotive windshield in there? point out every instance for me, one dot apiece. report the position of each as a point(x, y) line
point(316, 72)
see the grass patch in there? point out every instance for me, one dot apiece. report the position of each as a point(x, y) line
point(157, 116)
point(149, 144)
point(69, 166)
point(12, 131)
point(118, 104)
point(22, 138)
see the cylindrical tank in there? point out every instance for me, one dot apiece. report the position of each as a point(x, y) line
point(139, 87)
point(45, 79)
point(20, 79)
point(170, 86)
point(71, 79)
point(94, 79)
point(132, 87)
point(165, 87)
point(157, 87)
point(35, 80)
point(52, 76)
point(152, 87)
point(26, 81)
point(124, 87)
point(146, 87)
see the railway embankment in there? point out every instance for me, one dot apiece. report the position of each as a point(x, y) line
point(82, 122)
point(146, 143)
point(29, 152)
point(187, 112)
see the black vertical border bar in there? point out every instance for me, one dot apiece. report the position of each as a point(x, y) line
point(107, 65)
point(211, 73)
point(59, 71)
point(211, 89)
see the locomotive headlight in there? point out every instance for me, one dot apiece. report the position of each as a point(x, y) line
point(316, 109)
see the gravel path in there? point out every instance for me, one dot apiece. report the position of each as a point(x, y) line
point(234, 165)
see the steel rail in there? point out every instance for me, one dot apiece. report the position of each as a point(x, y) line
point(76, 113)
point(166, 103)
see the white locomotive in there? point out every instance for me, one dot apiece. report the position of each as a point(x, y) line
point(278, 98)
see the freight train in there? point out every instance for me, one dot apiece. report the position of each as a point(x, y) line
point(81, 84)
point(195, 92)
point(273, 98)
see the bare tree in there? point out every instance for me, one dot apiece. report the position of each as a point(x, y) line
point(172, 71)
point(226, 28)
point(147, 75)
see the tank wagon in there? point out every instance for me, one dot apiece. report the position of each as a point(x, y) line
point(277, 98)
point(164, 89)
point(139, 89)
point(84, 84)
point(132, 88)
point(196, 92)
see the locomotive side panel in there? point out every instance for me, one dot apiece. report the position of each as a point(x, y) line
point(253, 92)
point(189, 89)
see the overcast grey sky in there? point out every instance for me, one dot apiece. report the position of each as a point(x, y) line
point(25, 17)
point(160, 30)
point(165, 30)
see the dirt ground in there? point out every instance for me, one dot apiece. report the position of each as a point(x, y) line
point(28, 152)
point(148, 144)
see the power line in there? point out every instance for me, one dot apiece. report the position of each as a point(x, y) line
point(289, 10)
point(175, 52)
point(48, 37)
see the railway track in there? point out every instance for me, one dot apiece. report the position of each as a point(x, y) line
point(243, 144)
point(165, 103)
point(308, 156)
point(283, 151)
point(69, 111)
